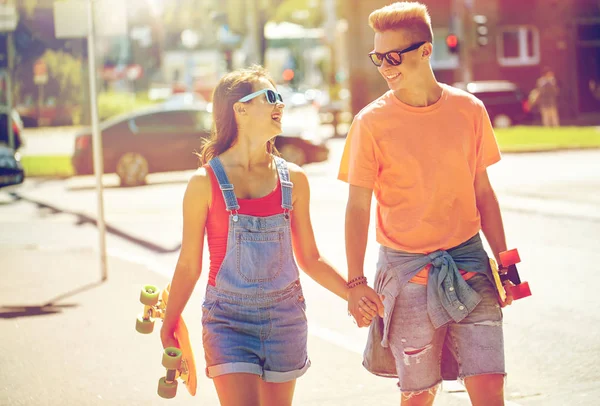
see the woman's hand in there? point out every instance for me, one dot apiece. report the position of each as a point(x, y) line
point(167, 336)
point(363, 304)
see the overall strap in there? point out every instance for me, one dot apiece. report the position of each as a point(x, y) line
point(226, 187)
point(286, 185)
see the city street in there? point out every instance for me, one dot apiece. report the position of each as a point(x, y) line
point(85, 350)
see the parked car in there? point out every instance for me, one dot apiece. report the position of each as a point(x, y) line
point(506, 104)
point(17, 125)
point(163, 139)
point(11, 170)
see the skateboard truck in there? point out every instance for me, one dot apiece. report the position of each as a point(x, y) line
point(176, 368)
point(508, 272)
point(179, 362)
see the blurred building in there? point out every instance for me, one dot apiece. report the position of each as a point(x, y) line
point(513, 41)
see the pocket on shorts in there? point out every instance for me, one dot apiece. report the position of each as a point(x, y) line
point(208, 308)
point(300, 302)
point(489, 308)
point(259, 255)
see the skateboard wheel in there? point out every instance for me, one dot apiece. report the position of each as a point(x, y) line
point(144, 326)
point(149, 295)
point(520, 291)
point(509, 257)
point(172, 358)
point(167, 390)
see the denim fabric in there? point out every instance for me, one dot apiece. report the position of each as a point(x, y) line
point(254, 318)
point(476, 342)
point(449, 296)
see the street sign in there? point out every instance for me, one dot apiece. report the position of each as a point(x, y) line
point(8, 18)
point(40, 72)
point(71, 18)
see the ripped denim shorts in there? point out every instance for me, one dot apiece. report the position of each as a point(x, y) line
point(476, 342)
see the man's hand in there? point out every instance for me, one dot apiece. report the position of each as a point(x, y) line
point(509, 296)
point(363, 304)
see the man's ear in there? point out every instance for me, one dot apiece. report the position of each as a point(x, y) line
point(427, 50)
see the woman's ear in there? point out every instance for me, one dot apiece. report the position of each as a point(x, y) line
point(239, 108)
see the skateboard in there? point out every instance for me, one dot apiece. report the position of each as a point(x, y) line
point(508, 272)
point(179, 362)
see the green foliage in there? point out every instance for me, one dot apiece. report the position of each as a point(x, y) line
point(65, 79)
point(530, 138)
point(112, 104)
point(290, 10)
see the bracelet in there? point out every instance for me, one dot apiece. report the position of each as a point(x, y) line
point(359, 280)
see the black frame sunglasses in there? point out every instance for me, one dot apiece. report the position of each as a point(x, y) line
point(394, 58)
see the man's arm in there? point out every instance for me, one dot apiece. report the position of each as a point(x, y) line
point(489, 211)
point(358, 211)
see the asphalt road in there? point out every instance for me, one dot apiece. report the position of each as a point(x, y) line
point(550, 203)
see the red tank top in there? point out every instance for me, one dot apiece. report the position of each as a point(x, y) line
point(217, 222)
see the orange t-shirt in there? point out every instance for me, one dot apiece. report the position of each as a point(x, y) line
point(421, 164)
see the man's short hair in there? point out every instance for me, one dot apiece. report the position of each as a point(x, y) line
point(410, 16)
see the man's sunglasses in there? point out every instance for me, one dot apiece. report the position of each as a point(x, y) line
point(272, 96)
point(394, 58)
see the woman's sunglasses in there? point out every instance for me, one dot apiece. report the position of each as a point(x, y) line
point(272, 96)
point(394, 58)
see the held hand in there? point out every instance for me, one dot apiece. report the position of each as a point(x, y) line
point(167, 336)
point(371, 304)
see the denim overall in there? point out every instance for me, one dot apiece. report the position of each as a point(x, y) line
point(254, 318)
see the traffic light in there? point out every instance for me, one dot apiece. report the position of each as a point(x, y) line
point(481, 30)
point(452, 43)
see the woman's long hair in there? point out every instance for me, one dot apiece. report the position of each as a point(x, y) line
point(231, 88)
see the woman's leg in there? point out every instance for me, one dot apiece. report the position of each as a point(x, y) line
point(276, 394)
point(238, 389)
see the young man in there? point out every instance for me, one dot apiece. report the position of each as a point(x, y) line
point(423, 148)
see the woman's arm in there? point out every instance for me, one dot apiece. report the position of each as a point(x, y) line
point(189, 265)
point(303, 238)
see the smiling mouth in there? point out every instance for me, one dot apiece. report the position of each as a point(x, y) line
point(392, 76)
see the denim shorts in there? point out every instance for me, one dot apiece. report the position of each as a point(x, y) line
point(262, 335)
point(476, 342)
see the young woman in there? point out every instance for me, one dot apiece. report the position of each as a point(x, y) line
point(254, 208)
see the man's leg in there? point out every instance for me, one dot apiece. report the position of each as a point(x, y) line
point(478, 345)
point(417, 347)
point(486, 390)
point(545, 116)
point(554, 117)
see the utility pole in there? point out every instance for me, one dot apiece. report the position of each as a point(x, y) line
point(96, 140)
point(462, 25)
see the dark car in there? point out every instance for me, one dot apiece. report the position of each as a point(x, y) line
point(505, 103)
point(164, 139)
point(11, 170)
point(17, 125)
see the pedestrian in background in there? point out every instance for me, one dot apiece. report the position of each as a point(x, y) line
point(547, 98)
point(254, 209)
point(423, 148)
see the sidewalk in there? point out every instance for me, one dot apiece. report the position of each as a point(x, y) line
point(70, 340)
